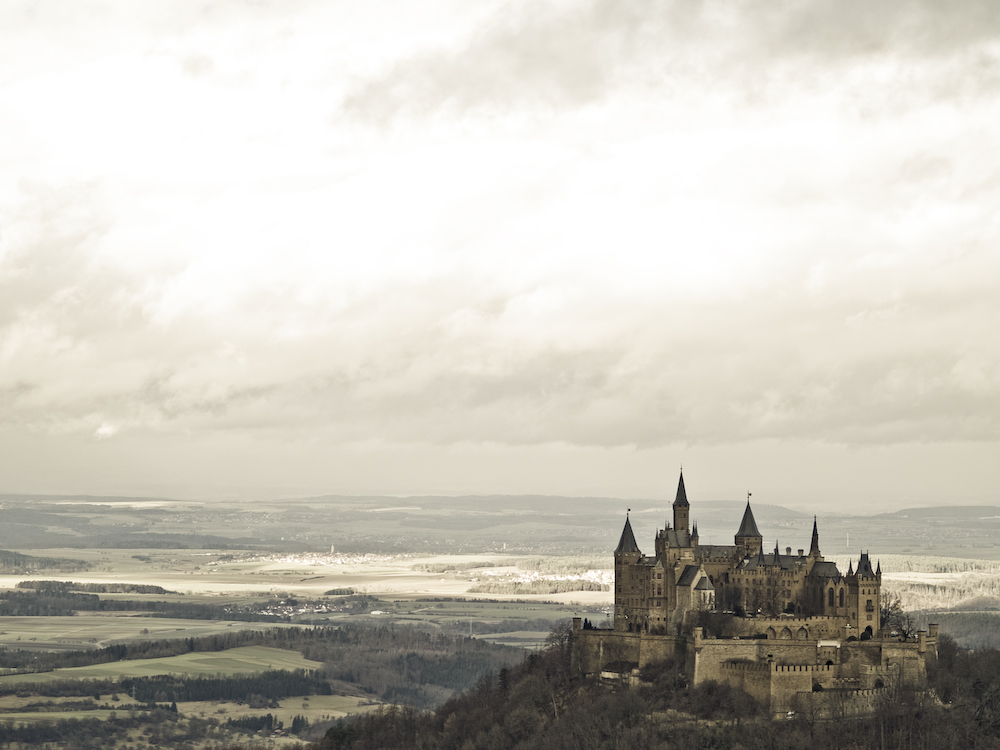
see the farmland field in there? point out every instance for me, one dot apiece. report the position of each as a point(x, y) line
point(93, 630)
point(197, 664)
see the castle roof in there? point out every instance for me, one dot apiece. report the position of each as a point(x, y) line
point(749, 526)
point(826, 570)
point(688, 576)
point(677, 538)
point(627, 545)
point(682, 498)
point(785, 562)
point(715, 551)
point(865, 566)
point(704, 585)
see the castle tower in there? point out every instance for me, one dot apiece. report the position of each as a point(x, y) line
point(865, 589)
point(748, 538)
point(629, 587)
point(682, 509)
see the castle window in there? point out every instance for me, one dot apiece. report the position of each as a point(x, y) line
point(830, 598)
point(659, 591)
point(869, 607)
point(841, 597)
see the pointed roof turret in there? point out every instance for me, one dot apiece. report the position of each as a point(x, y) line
point(814, 546)
point(850, 568)
point(627, 545)
point(749, 526)
point(878, 570)
point(682, 498)
point(694, 529)
point(865, 566)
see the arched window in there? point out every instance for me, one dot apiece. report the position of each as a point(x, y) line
point(869, 607)
point(841, 597)
point(829, 598)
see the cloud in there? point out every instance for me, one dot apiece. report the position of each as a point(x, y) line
point(558, 56)
point(713, 224)
point(881, 353)
point(105, 431)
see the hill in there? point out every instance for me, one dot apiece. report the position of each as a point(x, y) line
point(540, 704)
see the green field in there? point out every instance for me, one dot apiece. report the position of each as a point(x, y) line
point(94, 630)
point(200, 663)
point(314, 707)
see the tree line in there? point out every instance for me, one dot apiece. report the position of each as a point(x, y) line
point(93, 588)
point(541, 703)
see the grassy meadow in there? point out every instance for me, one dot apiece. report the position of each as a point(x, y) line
point(226, 663)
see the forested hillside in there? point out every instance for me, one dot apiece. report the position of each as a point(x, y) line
point(539, 705)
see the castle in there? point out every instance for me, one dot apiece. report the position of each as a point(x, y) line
point(789, 629)
point(663, 593)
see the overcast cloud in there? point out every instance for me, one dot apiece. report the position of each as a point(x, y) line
point(501, 247)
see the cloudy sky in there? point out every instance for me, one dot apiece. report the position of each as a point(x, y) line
point(251, 249)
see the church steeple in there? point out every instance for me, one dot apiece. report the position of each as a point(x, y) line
point(814, 546)
point(682, 509)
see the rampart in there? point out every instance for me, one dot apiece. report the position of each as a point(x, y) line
point(778, 672)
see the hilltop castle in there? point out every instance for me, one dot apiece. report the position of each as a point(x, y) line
point(789, 629)
point(663, 593)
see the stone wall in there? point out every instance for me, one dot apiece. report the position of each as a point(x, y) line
point(777, 673)
point(594, 650)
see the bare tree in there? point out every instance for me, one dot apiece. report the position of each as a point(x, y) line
point(895, 619)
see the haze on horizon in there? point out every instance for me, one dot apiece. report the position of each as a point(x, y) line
point(261, 249)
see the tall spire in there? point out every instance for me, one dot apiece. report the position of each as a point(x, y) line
point(682, 510)
point(682, 498)
point(814, 546)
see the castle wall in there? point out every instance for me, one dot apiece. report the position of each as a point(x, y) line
point(707, 658)
point(594, 650)
point(779, 674)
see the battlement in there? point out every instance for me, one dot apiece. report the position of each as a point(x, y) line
point(817, 668)
point(763, 666)
point(812, 619)
point(745, 666)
